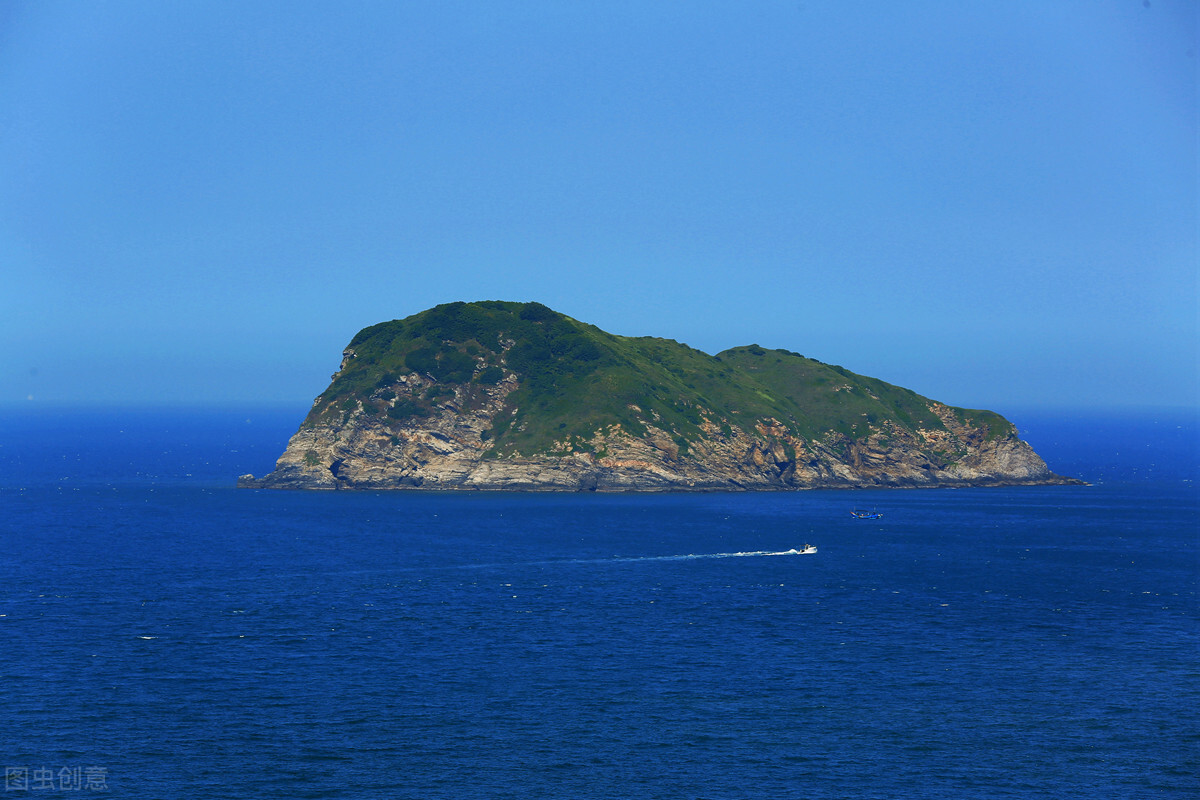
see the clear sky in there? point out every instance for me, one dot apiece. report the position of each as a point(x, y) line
point(991, 203)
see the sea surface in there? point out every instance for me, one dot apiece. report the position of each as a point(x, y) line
point(166, 635)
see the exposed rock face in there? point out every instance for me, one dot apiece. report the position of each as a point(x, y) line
point(500, 395)
point(449, 450)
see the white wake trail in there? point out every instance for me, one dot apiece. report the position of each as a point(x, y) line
point(807, 550)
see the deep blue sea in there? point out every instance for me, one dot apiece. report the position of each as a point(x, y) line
point(165, 635)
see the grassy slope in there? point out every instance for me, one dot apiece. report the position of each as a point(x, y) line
point(576, 379)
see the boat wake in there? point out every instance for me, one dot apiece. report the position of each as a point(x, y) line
point(805, 550)
point(808, 549)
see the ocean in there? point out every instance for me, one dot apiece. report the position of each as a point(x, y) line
point(165, 635)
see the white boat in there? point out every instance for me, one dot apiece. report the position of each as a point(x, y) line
point(806, 550)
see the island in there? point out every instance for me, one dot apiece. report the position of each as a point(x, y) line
point(514, 396)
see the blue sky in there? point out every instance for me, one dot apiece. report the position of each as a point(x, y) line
point(991, 203)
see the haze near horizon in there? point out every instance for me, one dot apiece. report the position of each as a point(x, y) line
point(994, 205)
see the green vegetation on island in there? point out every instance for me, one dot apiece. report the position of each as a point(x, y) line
point(569, 380)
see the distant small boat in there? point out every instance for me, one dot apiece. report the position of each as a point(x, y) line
point(806, 550)
point(866, 514)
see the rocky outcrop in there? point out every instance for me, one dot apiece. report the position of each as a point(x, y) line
point(450, 449)
point(498, 395)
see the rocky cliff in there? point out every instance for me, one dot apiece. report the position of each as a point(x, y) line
point(507, 396)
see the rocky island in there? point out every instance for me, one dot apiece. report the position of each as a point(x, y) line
point(515, 396)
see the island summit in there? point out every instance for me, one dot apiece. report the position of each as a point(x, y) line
point(515, 396)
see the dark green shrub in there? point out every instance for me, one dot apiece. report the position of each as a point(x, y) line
point(526, 356)
point(454, 366)
point(422, 360)
point(490, 376)
point(536, 312)
point(406, 409)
